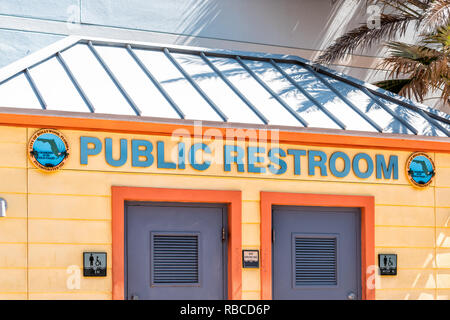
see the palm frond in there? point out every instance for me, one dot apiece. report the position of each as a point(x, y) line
point(437, 14)
point(427, 69)
point(411, 7)
point(414, 70)
point(439, 38)
point(393, 85)
point(391, 25)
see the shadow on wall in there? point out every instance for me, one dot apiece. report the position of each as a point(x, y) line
point(345, 15)
point(198, 16)
point(15, 45)
point(306, 24)
point(302, 24)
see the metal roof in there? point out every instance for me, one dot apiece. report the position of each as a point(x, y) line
point(173, 82)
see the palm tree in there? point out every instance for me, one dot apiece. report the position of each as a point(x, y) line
point(414, 70)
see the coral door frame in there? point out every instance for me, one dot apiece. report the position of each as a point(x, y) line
point(366, 204)
point(233, 200)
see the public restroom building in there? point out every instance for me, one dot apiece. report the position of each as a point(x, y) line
point(144, 171)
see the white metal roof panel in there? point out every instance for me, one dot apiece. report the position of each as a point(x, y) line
point(172, 82)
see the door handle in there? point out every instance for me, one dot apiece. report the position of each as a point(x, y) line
point(351, 296)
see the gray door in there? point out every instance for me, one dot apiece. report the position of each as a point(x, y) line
point(316, 253)
point(175, 251)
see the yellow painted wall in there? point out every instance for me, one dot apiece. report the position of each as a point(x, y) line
point(53, 218)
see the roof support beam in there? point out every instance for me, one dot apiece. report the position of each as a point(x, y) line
point(434, 122)
point(409, 106)
point(195, 85)
point(155, 82)
point(35, 89)
point(308, 96)
point(388, 110)
point(268, 89)
point(114, 79)
point(343, 98)
point(235, 90)
point(75, 83)
point(425, 114)
point(373, 92)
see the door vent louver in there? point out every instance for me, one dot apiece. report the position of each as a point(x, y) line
point(175, 259)
point(315, 261)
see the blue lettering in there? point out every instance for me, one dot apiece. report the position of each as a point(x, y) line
point(197, 166)
point(313, 163)
point(161, 158)
point(123, 153)
point(254, 159)
point(387, 170)
point(358, 173)
point(347, 164)
point(181, 155)
point(85, 151)
point(297, 154)
point(276, 160)
point(237, 158)
point(137, 152)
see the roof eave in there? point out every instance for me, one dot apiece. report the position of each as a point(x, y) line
point(61, 45)
point(161, 126)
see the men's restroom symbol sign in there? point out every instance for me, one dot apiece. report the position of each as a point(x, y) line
point(94, 264)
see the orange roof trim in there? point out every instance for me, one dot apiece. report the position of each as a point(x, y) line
point(424, 144)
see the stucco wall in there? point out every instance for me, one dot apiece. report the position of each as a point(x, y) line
point(303, 24)
point(53, 218)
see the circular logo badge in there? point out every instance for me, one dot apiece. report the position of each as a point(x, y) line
point(48, 149)
point(420, 169)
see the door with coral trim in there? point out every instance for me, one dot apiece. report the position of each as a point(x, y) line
point(176, 251)
point(316, 253)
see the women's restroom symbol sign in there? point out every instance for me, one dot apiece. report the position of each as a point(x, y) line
point(94, 264)
point(387, 264)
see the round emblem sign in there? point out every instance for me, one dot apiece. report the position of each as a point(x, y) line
point(48, 149)
point(420, 169)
